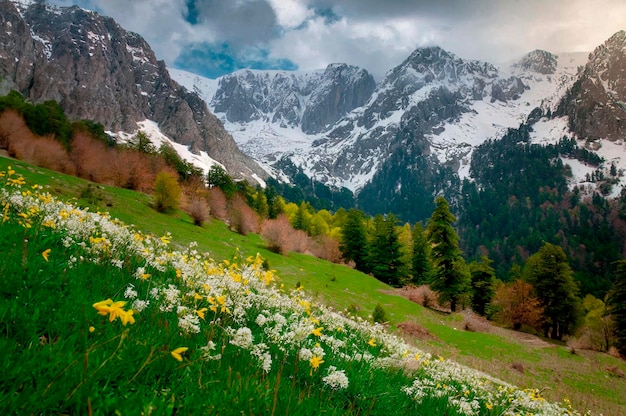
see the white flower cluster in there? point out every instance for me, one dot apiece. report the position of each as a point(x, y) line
point(336, 379)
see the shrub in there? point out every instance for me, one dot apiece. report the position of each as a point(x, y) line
point(517, 306)
point(379, 314)
point(167, 192)
point(198, 210)
point(276, 234)
point(217, 203)
point(242, 218)
point(327, 248)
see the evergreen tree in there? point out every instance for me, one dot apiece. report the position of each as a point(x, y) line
point(217, 176)
point(354, 240)
point(617, 306)
point(550, 273)
point(303, 217)
point(422, 267)
point(384, 253)
point(451, 278)
point(483, 284)
point(141, 142)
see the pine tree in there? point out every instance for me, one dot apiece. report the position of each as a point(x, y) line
point(451, 278)
point(483, 284)
point(550, 273)
point(384, 253)
point(617, 306)
point(354, 240)
point(218, 177)
point(303, 217)
point(422, 265)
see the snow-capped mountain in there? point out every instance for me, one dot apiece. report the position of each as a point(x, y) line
point(434, 103)
point(97, 70)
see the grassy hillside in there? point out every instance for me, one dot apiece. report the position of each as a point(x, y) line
point(582, 378)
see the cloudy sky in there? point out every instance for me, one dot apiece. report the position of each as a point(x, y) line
point(214, 37)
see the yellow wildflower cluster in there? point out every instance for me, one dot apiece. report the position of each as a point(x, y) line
point(10, 180)
point(115, 310)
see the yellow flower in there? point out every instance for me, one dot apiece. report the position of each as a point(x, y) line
point(127, 316)
point(201, 312)
point(315, 362)
point(177, 353)
point(166, 239)
point(92, 329)
point(114, 310)
point(145, 276)
point(371, 342)
point(489, 406)
point(179, 274)
point(45, 254)
point(318, 331)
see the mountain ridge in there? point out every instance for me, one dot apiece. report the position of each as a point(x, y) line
point(484, 100)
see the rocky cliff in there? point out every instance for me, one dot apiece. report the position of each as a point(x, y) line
point(596, 103)
point(97, 70)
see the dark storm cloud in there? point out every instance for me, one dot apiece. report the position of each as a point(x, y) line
point(241, 22)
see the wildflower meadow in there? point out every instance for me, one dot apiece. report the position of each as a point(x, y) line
point(98, 318)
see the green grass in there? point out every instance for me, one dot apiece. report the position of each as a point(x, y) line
point(581, 378)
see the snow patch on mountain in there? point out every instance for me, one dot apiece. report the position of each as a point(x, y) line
point(550, 131)
point(204, 87)
point(152, 130)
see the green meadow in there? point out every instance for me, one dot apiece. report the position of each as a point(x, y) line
point(217, 337)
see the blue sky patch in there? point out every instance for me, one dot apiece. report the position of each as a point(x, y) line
point(215, 60)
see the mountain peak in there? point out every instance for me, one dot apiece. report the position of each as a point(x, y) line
point(539, 61)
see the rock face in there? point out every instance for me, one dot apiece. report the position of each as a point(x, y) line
point(538, 61)
point(596, 103)
point(311, 101)
point(96, 70)
point(414, 100)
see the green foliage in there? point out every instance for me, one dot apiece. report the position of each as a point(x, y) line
point(597, 323)
point(451, 279)
point(519, 198)
point(384, 257)
point(303, 218)
point(551, 275)
point(167, 192)
point(354, 240)
point(422, 264)
point(218, 177)
point(379, 314)
point(184, 169)
point(483, 285)
point(142, 143)
point(303, 188)
point(617, 305)
point(43, 119)
point(95, 130)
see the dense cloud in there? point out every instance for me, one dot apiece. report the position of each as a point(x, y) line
point(217, 36)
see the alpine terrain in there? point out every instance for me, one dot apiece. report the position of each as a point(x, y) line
point(411, 136)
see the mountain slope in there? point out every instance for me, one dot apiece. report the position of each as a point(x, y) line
point(96, 70)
